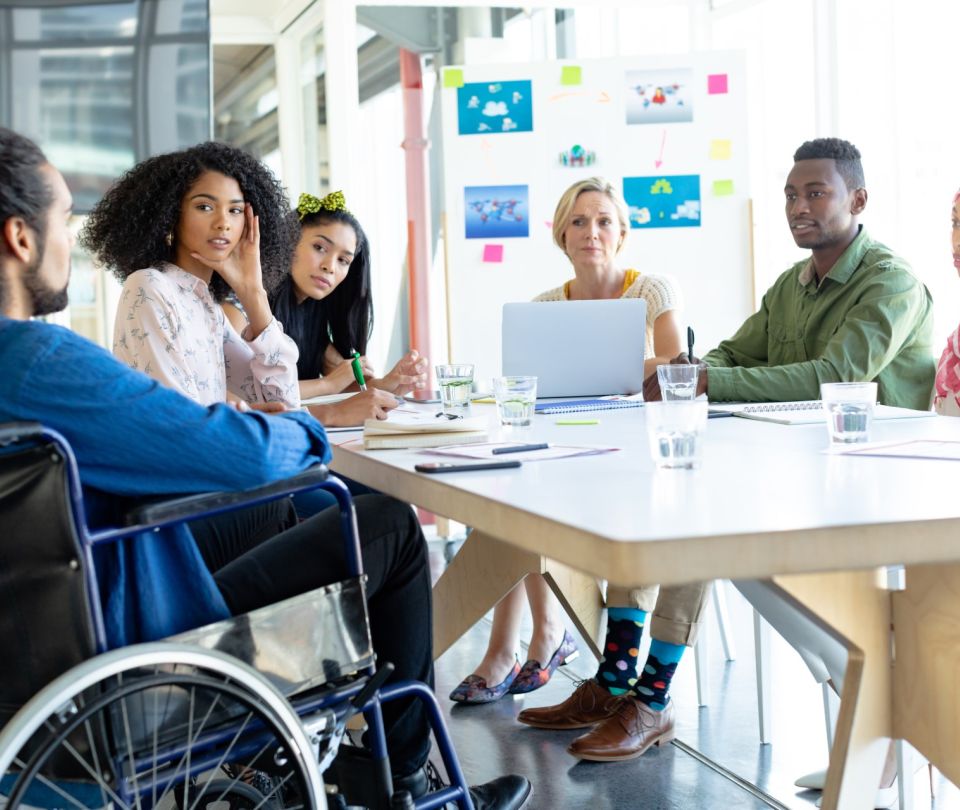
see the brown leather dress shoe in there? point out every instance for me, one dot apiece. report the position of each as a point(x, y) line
point(626, 734)
point(589, 704)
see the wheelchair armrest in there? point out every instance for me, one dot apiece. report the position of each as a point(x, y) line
point(195, 506)
point(18, 431)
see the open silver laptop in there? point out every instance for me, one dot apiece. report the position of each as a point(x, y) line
point(577, 348)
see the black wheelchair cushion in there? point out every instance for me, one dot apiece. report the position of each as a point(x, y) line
point(45, 622)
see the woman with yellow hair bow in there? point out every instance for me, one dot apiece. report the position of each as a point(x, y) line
point(325, 305)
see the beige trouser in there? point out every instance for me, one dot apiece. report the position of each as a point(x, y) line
point(677, 609)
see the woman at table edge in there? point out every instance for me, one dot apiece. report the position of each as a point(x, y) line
point(590, 226)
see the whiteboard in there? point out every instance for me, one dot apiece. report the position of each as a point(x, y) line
point(587, 103)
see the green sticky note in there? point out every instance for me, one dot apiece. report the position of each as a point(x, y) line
point(722, 188)
point(453, 77)
point(720, 150)
point(570, 74)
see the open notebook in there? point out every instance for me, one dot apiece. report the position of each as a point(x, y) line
point(806, 412)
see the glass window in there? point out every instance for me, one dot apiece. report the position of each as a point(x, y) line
point(73, 23)
point(245, 98)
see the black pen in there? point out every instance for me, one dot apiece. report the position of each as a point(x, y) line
point(519, 448)
point(690, 345)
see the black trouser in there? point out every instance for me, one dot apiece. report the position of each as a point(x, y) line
point(254, 565)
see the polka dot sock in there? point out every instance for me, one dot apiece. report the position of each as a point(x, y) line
point(618, 667)
point(657, 673)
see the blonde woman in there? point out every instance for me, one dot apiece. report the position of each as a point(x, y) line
point(589, 226)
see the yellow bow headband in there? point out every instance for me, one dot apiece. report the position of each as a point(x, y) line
point(308, 204)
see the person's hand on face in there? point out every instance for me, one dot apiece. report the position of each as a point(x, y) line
point(240, 268)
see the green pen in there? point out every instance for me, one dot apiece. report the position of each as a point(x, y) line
point(357, 371)
point(577, 422)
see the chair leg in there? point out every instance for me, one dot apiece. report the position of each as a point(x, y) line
point(761, 638)
point(701, 658)
point(906, 766)
point(723, 619)
point(831, 705)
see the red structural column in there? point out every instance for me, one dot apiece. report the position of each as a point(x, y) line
point(418, 205)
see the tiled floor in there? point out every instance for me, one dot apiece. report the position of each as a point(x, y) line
point(717, 755)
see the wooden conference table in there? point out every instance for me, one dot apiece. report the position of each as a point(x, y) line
point(767, 503)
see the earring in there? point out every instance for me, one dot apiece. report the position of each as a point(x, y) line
point(169, 239)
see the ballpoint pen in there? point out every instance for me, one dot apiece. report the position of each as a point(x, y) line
point(519, 448)
point(357, 371)
point(690, 345)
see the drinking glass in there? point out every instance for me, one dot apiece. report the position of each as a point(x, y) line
point(675, 431)
point(849, 410)
point(456, 384)
point(677, 381)
point(516, 397)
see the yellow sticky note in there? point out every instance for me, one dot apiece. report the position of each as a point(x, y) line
point(453, 77)
point(722, 188)
point(570, 74)
point(719, 150)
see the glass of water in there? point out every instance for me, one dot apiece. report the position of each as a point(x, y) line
point(849, 410)
point(516, 398)
point(456, 384)
point(677, 381)
point(675, 431)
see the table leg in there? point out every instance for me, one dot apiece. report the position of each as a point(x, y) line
point(926, 672)
point(855, 607)
point(484, 571)
point(581, 598)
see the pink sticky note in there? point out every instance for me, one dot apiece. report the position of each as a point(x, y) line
point(493, 254)
point(716, 84)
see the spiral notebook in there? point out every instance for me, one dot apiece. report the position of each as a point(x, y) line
point(584, 405)
point(806, 412)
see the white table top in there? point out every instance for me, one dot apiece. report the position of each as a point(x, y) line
point(765, 501)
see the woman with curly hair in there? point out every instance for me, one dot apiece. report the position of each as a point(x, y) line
point(181, 230)
point(326, 306)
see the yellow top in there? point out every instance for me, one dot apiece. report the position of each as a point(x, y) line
point(629, 277)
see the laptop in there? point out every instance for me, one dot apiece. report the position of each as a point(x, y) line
point(577, 348)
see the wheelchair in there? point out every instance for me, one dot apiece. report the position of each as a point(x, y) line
point(245, 713)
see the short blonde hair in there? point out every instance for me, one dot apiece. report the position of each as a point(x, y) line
point(561, 217)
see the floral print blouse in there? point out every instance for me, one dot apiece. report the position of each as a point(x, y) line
point(169, 327)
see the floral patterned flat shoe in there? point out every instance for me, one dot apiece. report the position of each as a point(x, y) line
point(533, 676)
point(474, 689)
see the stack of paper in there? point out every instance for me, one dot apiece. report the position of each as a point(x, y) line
point(422, 429)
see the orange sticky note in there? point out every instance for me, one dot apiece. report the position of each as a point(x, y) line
point(493, 254)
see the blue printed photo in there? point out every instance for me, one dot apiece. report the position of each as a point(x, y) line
point(496, 211)
point(663, 202)
point(495, 108)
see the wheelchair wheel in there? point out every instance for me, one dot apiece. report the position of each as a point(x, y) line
point(159, 725)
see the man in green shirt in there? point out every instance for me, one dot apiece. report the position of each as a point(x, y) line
point(852, 312)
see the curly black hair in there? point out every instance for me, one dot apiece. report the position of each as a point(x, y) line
point(843, 153)
point(127, 229)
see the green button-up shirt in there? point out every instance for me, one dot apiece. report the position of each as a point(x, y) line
point(869, 319)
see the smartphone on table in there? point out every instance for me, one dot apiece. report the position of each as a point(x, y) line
point(458, 466)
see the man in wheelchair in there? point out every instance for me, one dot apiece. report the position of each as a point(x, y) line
point(135, 439)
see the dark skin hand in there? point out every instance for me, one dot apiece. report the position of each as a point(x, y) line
point(651, 385)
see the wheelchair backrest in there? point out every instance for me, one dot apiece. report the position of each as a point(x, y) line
point(45, 621)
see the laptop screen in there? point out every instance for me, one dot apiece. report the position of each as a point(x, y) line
point(577, 348)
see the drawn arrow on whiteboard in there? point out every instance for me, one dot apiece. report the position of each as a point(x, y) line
point(663, 142)
point(603, 98)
